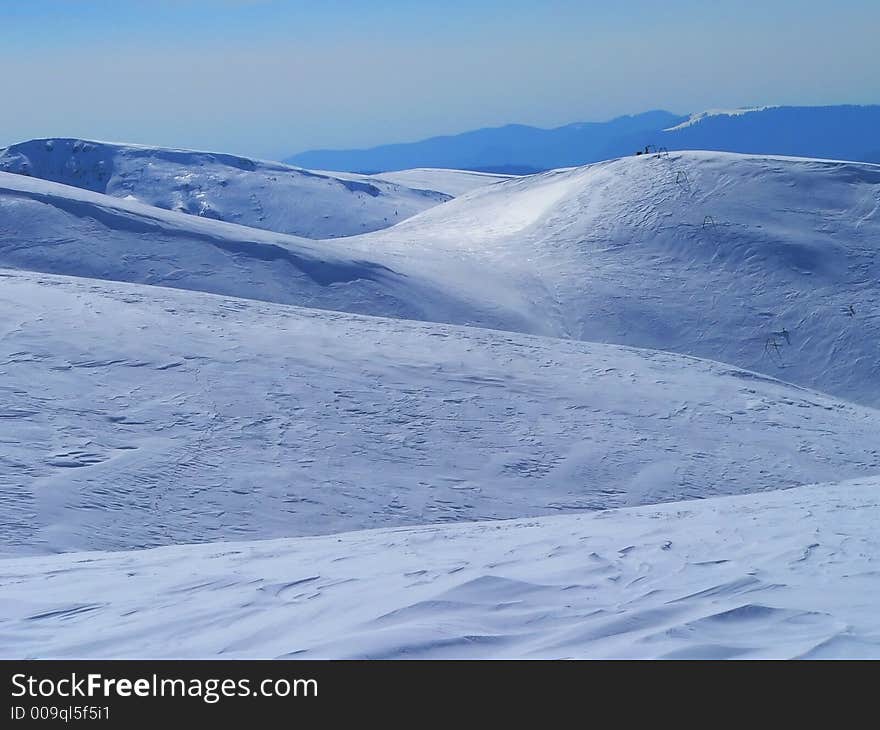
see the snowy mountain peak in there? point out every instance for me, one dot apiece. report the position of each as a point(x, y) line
point(700, 116)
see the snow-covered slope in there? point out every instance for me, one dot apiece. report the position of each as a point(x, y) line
point(451, 182)
point(783, 574)
point(256, 193)
point(772, 264)
point(137, 416)
point(56, 228)
point(767, 263)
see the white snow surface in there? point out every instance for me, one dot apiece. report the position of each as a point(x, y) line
point(778, 575)
point(257, 193)
point(451, 182)
point(605, 338)
point(204, 418)
point(55, 228)
point(767, 263)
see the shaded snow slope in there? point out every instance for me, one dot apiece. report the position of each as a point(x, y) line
point(768, 263)
point(255, 193)
point(56, 228)
point(137, 416)
point(775, 575)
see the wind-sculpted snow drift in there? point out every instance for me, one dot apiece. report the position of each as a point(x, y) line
point(779, 575)
point(266, 195)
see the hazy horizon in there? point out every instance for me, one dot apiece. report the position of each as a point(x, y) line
point(269, 79)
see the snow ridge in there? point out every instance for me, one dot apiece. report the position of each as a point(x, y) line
point(265, 195)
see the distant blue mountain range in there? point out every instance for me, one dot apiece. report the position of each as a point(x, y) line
point(838, 132)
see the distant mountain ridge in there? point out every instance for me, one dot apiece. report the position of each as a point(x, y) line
point(511, 148)
point(847, 132)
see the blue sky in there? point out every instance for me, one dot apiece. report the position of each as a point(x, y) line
point(269, 77)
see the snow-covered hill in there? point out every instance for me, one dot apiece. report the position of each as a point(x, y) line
point(266, 195)
point(772, 264)
point(136, 416)
point(785, 574)
point(54, 228)
point(451, 182)
point(171, 379)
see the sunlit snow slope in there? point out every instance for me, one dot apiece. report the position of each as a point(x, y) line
point(136, 416)
point(772, 264)
point(451, 182)
point(647, 330)
point(784, 574)
point(256, 193)
point(767, 263)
